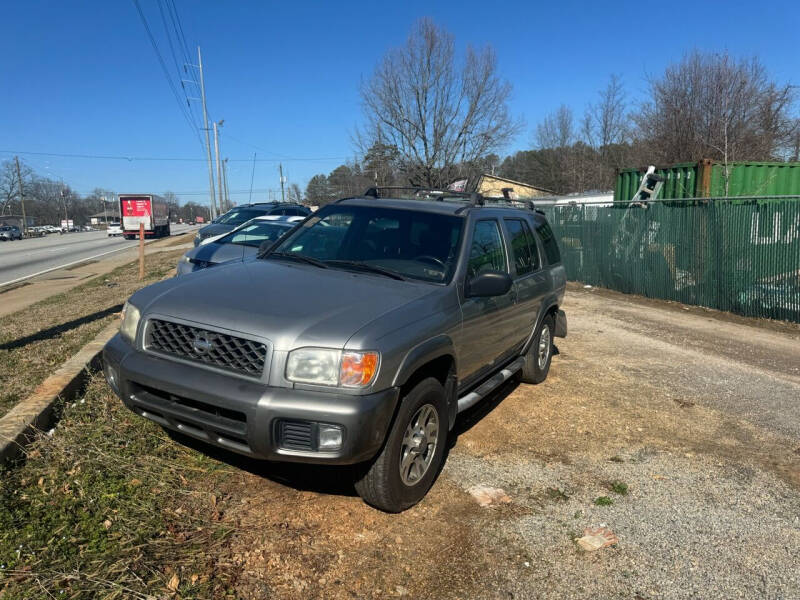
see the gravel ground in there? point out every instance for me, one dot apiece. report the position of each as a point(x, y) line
point(696, 414)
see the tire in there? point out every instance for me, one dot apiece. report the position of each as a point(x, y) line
point(383, 486)
point(540, 354)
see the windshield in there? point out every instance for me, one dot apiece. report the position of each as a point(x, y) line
point(414, 244)
point(255, 233)
point(237, 216)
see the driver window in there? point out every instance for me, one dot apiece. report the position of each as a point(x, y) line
point(487, 252)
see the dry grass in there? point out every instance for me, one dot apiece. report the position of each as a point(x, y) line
point(37, 340)
point(107, 506)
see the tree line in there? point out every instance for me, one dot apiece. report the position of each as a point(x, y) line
point(431, 118)
point(48, 201)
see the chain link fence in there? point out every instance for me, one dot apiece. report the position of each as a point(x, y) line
point(740, 255)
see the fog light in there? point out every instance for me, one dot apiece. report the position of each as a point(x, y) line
point(329, 437)
point(111, 377)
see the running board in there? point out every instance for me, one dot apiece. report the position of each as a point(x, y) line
point(490, 384)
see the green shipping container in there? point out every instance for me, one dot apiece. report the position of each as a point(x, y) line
point(707, 179)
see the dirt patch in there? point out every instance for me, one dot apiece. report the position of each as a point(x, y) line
point(81, 265)
point(670, 305)
point(14, 286)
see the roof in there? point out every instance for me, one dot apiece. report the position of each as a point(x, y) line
point(484, 181)
point(278, 218)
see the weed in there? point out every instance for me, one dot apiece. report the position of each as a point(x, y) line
point(603, 501)
point(557, 494)
point(619, 487)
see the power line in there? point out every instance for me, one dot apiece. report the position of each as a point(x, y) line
point(176, 19)
point(166, 71)
point(170, 158)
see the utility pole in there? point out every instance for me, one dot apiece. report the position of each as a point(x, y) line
point(105, 213)
point(283, 194)
point(21, 198)
point(219, 165)
point(205, 128)
point(225, 181)
point(64, 200)
point(253, 174)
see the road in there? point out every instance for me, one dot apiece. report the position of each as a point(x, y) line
point(21, 259)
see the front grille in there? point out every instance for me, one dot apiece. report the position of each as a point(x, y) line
point(209, 347)
point(296, 435)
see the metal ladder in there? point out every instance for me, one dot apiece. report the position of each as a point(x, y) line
point(649, 187)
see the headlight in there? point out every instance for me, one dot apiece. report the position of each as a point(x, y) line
point(185, 259)
point(130, 321)
point(325, 366)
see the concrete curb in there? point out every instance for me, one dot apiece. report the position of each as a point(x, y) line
point(18, 427)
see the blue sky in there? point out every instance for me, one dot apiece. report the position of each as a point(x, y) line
point(82, 78)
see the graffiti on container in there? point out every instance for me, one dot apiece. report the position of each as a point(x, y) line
point(779, 234)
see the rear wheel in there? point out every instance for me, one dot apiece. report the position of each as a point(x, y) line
point(537, 360)
point(409, 462)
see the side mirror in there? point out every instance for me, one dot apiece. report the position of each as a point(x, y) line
point(489, 283)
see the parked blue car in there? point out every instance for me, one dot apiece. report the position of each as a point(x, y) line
point(238, 245)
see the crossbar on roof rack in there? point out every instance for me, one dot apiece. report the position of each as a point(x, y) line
point(472, 198)
point(423, 193)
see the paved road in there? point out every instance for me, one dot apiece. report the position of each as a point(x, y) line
point(26, 257)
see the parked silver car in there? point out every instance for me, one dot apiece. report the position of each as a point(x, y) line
point(241, 214)
point(9, 233)
point(240, 244)
point(357, 339)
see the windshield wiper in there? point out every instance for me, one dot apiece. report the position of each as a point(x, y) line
point(297, 257)
point(362, 266)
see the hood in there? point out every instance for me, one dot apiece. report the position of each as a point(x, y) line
point(217, 253)
point(214, 229)
point(291, 304)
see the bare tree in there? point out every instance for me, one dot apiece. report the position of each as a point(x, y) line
point(557, 130)
point(608, 116)
point(714, 106)
point(437, 114)
point(294, 194)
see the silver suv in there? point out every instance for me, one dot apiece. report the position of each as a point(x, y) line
point(356, 339)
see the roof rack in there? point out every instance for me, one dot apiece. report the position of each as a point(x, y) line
point(471, 198)
point(423, 193)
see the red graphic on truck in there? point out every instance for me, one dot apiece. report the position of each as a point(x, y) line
point(136, 207)
point(146, 209)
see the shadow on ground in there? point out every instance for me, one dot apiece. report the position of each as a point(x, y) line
point(334, 479)
point(56, 330)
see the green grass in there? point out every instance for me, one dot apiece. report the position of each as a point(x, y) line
point(619, 487)
point(102, 509)
point(603, 501)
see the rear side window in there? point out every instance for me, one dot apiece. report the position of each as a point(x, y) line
point(523, 246)
point(487, 252)
point(549, 242)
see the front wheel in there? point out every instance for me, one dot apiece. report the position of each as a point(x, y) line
point(540, 354)
point(409, 462)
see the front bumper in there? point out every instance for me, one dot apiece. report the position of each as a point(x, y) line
point(244, 416)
